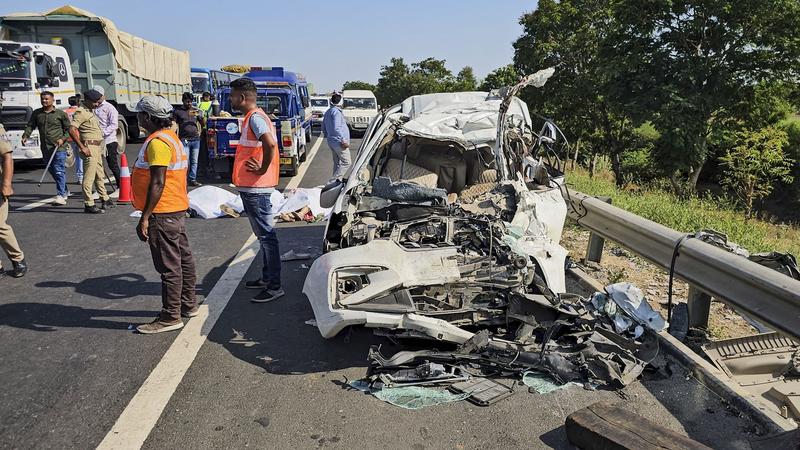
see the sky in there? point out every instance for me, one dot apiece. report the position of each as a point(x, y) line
point(329, 41)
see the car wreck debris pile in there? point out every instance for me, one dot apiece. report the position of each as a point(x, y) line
point(448, 230)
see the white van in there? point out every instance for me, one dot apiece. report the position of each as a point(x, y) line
point(318, 105)
point(359, 108)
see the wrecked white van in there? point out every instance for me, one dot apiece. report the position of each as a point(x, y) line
point(448, 218)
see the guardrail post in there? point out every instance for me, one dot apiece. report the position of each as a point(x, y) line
point(699, 304)
point(595, 250)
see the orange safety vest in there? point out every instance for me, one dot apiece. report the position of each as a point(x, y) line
point(175, 197)
point(250, 147)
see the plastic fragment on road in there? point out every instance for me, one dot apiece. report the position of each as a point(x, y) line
point(631, 300)
point(292, 255)
point(541, 383)
point(311, 322)
point(136, 213)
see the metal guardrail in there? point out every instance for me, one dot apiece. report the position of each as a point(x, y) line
point(760, 292)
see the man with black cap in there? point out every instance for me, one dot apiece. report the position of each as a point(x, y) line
point(87, 134)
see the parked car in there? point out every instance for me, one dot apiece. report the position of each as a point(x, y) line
point(440, 224)
point(319, 104)
point(359, 107)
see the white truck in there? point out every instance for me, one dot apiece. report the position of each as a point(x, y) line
point(82, 50)
point(359, 107)
point(26, 70)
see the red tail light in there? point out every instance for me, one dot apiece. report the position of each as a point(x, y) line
point(287, 141)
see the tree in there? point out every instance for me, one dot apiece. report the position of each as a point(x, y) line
point(358, 85)
point(502, 76)
point(392, 85)
point(683, 65)
point(465, 80)
point(568, 34)
point(236, 68)
point(752, 167)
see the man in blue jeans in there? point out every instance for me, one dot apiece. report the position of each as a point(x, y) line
point(53, 126)
point(255, 174)
point(187, 117)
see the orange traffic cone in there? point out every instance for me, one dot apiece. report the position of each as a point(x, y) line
point(124, 181)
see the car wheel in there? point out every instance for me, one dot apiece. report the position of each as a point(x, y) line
point(308, 136)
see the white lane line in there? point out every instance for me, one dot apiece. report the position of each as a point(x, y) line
point(301, 172)
point(50, 200)
point(140, 416)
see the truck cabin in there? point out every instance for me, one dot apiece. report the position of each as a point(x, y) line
point(209, 80)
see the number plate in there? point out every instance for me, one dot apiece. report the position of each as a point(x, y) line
point(286, 161)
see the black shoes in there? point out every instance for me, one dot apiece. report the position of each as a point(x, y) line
point(20, 268)
point(195, 183)
point(107, 204)
point(92, 210)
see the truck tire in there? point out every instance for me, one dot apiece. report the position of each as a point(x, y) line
point(302, 156)
point(122, 135)
point(293, 171)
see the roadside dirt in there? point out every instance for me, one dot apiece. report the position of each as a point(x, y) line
point(618, 264)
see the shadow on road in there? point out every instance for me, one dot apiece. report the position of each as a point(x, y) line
point(111, 287)
point(49, 317)
point(274, 336)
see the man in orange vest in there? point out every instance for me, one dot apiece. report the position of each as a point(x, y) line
point(159, 191)
point(255, 175)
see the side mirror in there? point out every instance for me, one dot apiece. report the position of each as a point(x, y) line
point(305, 101)
point(330, 192)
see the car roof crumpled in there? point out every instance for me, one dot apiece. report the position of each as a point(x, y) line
point(469, 118)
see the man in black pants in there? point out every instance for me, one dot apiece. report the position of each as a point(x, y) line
point(108, 117)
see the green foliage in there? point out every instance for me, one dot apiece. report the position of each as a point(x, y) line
point(235, 68)
point(399, 81)
point(753, 166)
point(637, 163)
point(358, 85)
point(567, 34)
point(692, 213)
point(502, 76)
point(687, 65)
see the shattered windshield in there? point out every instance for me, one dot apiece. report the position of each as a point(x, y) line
point(15, 74)
point(359, 103)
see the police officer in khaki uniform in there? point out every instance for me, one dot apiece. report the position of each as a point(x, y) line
point(85, 131)
point(8, 242)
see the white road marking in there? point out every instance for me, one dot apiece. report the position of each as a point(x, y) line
point(136, 422)
point(50, 200)
point(140, 416)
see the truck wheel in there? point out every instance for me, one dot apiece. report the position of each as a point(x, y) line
point(293, 171)
point(122, 136)
point(302, 156)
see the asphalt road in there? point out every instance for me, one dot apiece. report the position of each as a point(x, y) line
point(70, 362)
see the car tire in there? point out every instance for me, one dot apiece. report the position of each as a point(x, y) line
point(308, 136)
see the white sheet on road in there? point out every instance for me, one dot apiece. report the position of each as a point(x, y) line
point(206, 201)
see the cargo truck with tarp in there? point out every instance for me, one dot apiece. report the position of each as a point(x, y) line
point(126, 66)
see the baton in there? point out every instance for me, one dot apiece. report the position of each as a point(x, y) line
point(47, 166)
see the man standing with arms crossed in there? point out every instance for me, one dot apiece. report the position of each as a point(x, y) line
point(8, 241)
point(255, 174)
point(334, 127)
point(53, 126)
point(108, 117)
point(86, 133)
point(159, 191)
